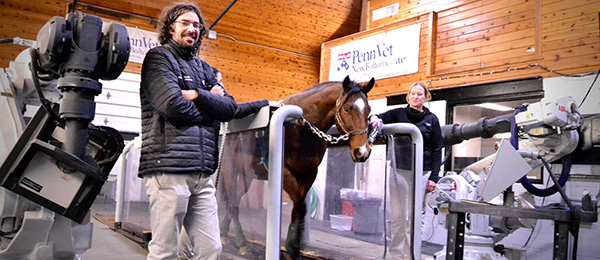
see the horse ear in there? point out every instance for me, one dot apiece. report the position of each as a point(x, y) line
point(347, 83)
point(369, 86)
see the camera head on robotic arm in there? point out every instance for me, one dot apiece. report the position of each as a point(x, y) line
point(550, 127)
point(547, 128)
point(75, 53)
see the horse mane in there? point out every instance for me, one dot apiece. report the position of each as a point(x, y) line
point(354, 88)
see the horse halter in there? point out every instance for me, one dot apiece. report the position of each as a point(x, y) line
point(338, 118)
point(340, 122)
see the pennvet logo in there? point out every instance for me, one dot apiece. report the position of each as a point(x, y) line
point(344, 56)
point(366, 59)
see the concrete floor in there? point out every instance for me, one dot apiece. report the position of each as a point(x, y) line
point(108, 244)
point(324, 242)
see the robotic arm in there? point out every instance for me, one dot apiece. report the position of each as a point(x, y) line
point(53, 169)
point(540, 133)
point(548, 128)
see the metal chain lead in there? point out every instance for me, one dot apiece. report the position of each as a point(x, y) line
point(327, 137)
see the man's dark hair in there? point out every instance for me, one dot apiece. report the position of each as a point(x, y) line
point(170, 14)
point(215, 70)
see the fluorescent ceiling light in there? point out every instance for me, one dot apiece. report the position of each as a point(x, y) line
point(501, 136)
point(494, 107)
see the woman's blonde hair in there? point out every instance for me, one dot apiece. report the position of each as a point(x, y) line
point(420, 84)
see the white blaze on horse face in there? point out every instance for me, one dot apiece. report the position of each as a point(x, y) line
point(362, 153)
point(360, 104)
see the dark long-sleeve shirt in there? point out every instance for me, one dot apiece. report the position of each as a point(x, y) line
point(429, 126)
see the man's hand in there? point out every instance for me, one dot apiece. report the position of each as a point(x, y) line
point(217, 90)
point(275, 103)
point(190, 95)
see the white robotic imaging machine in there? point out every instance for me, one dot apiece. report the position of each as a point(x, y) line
point(53, 168)
point(548, 130)
point(508, 167)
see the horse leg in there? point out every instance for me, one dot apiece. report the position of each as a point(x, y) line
point(227, 186)
point(294, 240)
point(244, 181)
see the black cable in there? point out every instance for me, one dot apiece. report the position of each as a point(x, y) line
point(589, 89)
point(6, 40)
point(575, 210)
point(222, 14)
point(533, 229)
point(72, 7)
point(556, 182)
point(564, 74)
point(46, 104)
point(432, 221)
point(598, 73)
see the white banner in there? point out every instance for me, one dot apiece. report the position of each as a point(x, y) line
point(141, 42)
point(384, 55)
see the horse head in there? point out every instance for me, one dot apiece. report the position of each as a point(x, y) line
point(351, 117)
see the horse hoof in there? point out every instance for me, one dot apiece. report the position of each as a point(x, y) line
point(245, 251)
point(225, 241)
point(284, 256)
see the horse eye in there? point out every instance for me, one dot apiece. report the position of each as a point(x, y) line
point(346, 109)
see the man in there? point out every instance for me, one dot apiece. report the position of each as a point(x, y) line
point(186, 250)
point(182, 106)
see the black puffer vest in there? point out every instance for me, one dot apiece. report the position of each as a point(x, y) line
point(179, 136)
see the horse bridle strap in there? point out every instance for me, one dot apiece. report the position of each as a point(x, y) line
point(338, 118)
point(340, 121)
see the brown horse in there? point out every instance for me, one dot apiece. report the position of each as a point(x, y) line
point(344, 104)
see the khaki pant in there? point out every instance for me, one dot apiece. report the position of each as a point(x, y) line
point(186, 200)
point(401, 208)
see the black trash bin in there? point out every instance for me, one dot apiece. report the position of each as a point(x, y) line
point(366, 215)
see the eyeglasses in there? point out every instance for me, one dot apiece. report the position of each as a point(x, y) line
point(187, 23)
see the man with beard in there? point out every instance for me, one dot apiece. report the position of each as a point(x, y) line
point(182, 106)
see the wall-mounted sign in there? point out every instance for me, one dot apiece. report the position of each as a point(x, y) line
point(385, 11)
point(141, 42)
point(388, 54)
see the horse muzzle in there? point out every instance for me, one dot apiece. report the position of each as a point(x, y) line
point(361, 154)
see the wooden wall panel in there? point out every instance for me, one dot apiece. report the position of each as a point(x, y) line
point(483, 36)
point(24, 19)
point(272, 51)
point(284, 53)
point(258, 72)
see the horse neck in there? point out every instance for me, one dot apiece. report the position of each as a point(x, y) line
point(318, 105)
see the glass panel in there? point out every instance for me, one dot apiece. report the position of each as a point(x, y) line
point(136, 214)
point(241, 190)
point(344, 207)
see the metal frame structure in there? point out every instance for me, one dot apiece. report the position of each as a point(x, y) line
point(562, 221)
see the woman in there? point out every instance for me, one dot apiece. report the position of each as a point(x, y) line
point(400, 191)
